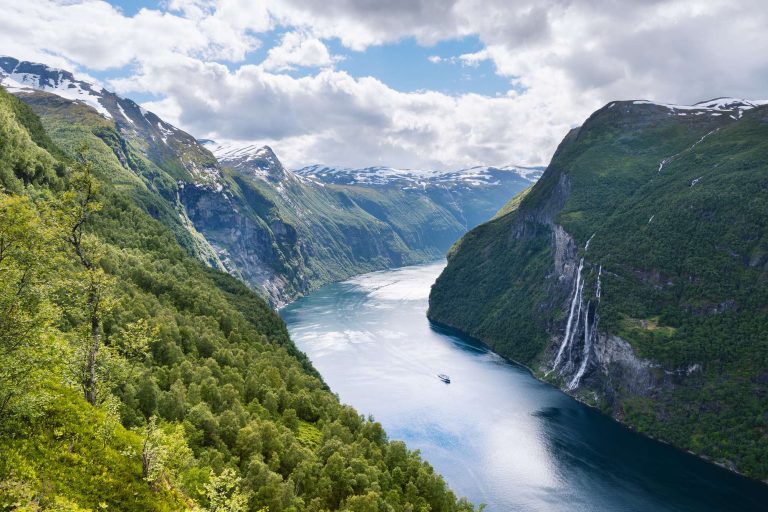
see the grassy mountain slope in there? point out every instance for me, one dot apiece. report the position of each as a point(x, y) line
point(202, 398)
point(668, 323)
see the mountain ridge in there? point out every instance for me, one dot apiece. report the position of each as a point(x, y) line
point(249, 215)
point(631, 275)
point(375, 175)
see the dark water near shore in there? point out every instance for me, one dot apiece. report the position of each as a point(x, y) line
point(495, 433)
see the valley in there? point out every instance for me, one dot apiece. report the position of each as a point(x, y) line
point(190, 324)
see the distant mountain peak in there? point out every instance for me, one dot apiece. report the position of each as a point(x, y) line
point(418, 178)
point(258, 160)
point(21, 76)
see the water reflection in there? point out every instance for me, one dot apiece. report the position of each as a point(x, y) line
point(495, 433)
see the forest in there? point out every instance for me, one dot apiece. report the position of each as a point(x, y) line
point(133, 377)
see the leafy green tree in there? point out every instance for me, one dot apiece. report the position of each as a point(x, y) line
point(165, 454)
point(78, 206)
point(26, 312)
point(224, 494)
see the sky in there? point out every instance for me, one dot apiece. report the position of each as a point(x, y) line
point(406, 83)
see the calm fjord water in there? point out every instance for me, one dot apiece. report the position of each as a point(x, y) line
point(496, 434)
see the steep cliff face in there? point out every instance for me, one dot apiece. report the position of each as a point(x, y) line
point(633, 274)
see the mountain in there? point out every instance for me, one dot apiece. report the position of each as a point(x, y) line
point(343, 228)
point(133, 376)
point(472, 195)
point(283, 233)
point(634, 274)
point(420, 179)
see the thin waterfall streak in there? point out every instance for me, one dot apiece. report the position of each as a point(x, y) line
point(576, 297)
point(669, 158)
point(585, 354)
point(586, 246)
point(575, 329)
point(598, 290)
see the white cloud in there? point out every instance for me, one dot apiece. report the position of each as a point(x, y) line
point(474, 59)
point(566, 57)
point(332, 117)
point(434, 59)
point(298, 49)
point(96, 35)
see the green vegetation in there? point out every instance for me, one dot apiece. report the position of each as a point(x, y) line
point(324, 231)
point(684, 256)
point(133, 377)
point(284, 236)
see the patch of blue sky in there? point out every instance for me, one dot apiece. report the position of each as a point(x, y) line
point(131, 7)
point(405, 66)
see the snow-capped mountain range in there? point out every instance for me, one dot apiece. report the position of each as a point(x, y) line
point(262, 162)
point(473, 176)
point(733, 107)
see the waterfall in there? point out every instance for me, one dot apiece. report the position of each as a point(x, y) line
point(669, 158)
point(572, 328)
point(576, 299)
point(597, 290)
point(585, 351)
point(588, 334)
point(664, 162)
point(586, 246)
point(574, 331)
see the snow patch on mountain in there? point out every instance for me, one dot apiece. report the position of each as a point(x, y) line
point(246, 153)
point(715, 107)
point(18, 76)
point(479, 176)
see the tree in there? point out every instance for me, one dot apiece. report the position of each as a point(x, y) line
point(165, 454)
point(78, 205)
point(224, 494)
point(26, 311)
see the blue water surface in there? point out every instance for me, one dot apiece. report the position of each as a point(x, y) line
point(496, 434)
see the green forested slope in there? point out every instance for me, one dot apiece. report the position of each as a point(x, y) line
point(197, 398)
point(682, 256)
